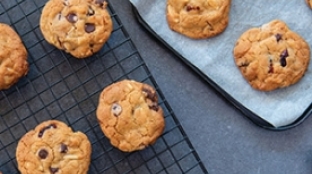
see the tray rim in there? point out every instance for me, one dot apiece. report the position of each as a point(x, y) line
point(253, 117)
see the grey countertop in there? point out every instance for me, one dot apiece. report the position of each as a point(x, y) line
point(226, 141)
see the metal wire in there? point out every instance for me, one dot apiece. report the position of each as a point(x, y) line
point(61, 87)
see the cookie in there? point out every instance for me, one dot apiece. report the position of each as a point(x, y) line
point(13, 57)
point(309, 3)
point(198, 19)
point(129, 115)
point(79, 27)
point(52, 147)
point(271, 56)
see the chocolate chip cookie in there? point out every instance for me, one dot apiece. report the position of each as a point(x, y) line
point(129, 115)
point(13, 57)
point(79, 27)
point(271, 56)
point(52, 147)
point(198, 19)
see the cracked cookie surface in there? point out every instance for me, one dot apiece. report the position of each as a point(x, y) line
point(198, 19)
point(271, 56)
point(129, 115)
point(13, 57)
point(52, 147)
point(79, 27)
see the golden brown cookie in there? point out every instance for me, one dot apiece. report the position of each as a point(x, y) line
point(79, 27)
point(52, 147)
point(271, 56)
point(129, 115)
point(13, 57)
point(309, 3)
point(198, 19)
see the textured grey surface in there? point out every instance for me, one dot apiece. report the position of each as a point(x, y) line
point(226, 141)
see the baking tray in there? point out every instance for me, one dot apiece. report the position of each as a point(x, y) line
point(61, 87)
point(256, 119)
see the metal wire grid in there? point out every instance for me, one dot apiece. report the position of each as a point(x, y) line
point(61, 87)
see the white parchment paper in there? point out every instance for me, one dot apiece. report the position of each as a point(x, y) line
point(214, 56)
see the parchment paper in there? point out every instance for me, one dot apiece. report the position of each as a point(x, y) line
point(214, 56)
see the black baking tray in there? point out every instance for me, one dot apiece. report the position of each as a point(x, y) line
point(59, 86)
point(246, 112)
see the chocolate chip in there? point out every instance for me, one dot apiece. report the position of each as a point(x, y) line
point(43, 154)
point(89, 27)
point(100, 2)
point(283, 61)
point(46, 128)
point(285, 53)
point(271, 68)
point(116, 109)
point(53, 170)
point(283, 57)
point(278, 37)
point(72, 18)
point(150, 95)
point(41, 133)
point(189, 8)
point(154, 107)
point(52, 126)
point(64, 148)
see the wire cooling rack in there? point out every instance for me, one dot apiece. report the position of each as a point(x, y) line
point(61, 87)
